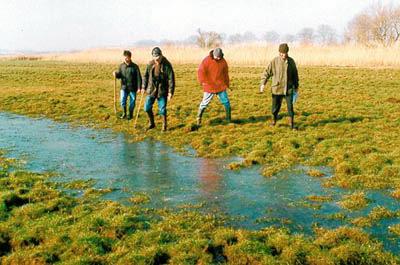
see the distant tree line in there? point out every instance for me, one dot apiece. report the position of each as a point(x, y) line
point(378, 24)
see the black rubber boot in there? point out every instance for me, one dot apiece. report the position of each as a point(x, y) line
point(151, 120)
point(292, 124)
point(130, 116)
point(123, 116)
point(228, 114)
point(164, 123)
point(273, 122)
point(199, 116)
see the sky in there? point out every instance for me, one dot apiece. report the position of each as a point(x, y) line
point(62, 25)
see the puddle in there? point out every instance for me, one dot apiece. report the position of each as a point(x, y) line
point(172, 179)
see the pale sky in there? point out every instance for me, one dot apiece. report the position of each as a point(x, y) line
point(56, 25)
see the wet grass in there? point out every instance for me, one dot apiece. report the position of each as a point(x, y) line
point(39, 224)
point(348, 119)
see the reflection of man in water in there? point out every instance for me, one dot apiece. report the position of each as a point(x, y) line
point(210, 178)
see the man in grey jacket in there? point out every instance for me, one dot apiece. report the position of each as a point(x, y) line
point(285, 82)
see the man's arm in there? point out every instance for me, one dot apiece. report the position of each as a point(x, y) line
point(146, 76)
point(226, 74)
point(202, 72)
point(171, 81)
point(267, 73)
point(138, 78)
point(117, 74)
point(296, 76)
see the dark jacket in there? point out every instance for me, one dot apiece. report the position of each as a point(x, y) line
point(284, 75)
point(130, 76)
point(163, 84)
point(213, 75)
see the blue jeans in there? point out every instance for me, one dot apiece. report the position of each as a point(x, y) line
point(207, 97)
point(124, 97)
point(162, 105)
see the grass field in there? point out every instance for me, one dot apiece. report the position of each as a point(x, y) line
point(348, 119)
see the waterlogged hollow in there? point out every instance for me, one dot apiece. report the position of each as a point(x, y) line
point(172, 179)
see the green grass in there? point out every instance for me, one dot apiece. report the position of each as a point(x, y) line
point(348, 119)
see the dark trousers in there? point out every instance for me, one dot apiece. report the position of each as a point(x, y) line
point(277, 103)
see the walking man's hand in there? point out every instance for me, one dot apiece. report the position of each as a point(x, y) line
point(262, 88)
point(169, 96)
point(115, 74)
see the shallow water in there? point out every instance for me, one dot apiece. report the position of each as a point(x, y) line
point(173, 179)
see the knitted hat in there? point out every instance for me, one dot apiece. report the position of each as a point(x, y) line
point(156, 52)
point(127, 53)
point(283, 48)
point(217, 53)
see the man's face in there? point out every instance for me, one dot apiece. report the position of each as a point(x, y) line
point(127, 59)
point(217, 58)
point(283, 56)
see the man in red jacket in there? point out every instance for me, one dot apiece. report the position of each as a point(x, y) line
point(214, 78)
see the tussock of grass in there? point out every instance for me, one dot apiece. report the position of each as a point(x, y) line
point(354, 201)
point(376, 214)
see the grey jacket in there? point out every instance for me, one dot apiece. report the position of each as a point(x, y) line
point(284, 75)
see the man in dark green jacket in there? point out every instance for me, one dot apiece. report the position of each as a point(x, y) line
point(159, 84)
point(131, 82)
point(285, 82)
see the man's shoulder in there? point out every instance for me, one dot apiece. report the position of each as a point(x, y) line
point(166, 62)
point(275, 60)
point(290, 59)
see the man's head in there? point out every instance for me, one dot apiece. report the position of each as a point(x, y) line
point(283, 51)
point(218, 54)
point(128, 56)
point(156, 53)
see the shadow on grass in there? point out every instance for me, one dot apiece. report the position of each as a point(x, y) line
point(249, 120)
point(338, 120)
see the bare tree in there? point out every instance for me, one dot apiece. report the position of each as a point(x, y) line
point(377, 24)
point(271, 36)
point(208, 39)
point(306, 36)
point(359, 29)
point(326, 35)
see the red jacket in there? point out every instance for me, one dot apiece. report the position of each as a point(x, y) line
point(213, 75)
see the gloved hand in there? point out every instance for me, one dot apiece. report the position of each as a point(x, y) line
point(262, 88)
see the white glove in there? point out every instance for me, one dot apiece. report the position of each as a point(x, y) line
point(262, 88)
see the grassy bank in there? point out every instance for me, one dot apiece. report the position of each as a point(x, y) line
point(39, 224)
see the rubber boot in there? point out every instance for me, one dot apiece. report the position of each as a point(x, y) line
point(151, 120)
point(164, 123)
point(292, 124)
point(199, 116)
point(123, 116)
point(275, 118)
point(228, 114)
point(130, 116)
